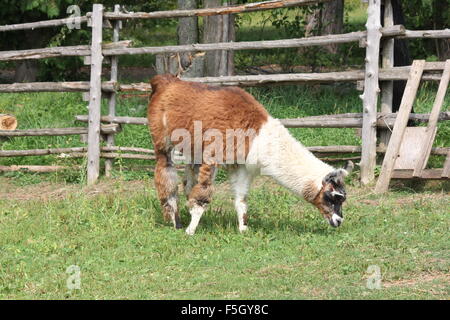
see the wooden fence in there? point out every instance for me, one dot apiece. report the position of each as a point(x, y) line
point(369, 120)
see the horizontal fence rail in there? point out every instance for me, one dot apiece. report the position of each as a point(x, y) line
point(108, 152)
point(345, 120)
point(105, 129)
point(82, 50)
point(250, 7)
point(43, 24)
point(124, 47)
point(250, 45)
point(396, 73)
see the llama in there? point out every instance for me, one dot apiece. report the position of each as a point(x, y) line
point(180, 106)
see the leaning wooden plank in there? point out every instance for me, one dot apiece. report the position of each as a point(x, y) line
point(41, 24)
point(8, 122)
point(401, 121)
point(95, 94)
point(431, 129)
point(409, 151)
point(446, 171)
point(249, 7)
point(370, 95)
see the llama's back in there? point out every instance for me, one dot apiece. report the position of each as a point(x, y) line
point(176, 104)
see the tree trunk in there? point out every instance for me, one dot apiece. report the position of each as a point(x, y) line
point(186, 63)
point(328, 20)
point(441, 19)
point(401, 54)
point(27, 70)
point(219, 29)
point(332, 21)
point(187, 30)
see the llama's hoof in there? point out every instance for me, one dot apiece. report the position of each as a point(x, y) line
point(190, 231)
point(178, 226)
point(242, 229)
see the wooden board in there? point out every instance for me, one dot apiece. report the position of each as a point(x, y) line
point(430, 132)
point(446, 171)
point(429, 174)
point(401, 122)
point(410, 148)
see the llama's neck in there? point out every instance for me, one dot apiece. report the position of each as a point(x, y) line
point(282, 157)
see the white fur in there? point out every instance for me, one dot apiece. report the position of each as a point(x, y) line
point(336, 219)
point(279, 155)
point(241, 179)
point(274, 152)
point(196, 213)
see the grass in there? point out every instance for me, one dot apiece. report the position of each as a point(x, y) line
point(115, 234)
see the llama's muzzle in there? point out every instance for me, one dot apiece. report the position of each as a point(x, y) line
point(336, 220)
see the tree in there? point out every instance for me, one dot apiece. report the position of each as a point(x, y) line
point(219, 29)
point(328, 19)
point(14, 12)
point(441, 20)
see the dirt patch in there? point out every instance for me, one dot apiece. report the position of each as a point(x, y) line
point(443, 278)
point(53, 191)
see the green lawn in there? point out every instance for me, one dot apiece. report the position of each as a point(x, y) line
point(115, 234)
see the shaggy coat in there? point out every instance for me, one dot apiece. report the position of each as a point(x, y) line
point(268, 149)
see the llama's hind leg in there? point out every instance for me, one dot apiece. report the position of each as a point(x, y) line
point(200, 195)
point(166, 180)
point(190, 178)
point(241, 180)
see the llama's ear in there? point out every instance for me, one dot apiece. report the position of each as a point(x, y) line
point(335, 177)
point(349, 166)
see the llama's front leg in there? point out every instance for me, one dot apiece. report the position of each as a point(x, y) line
point(166, 180)
point(241, 180)
point(200, 196)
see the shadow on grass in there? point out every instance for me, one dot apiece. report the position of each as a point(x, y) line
point(218, 219)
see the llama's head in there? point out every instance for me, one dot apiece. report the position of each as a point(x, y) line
point(332, 195)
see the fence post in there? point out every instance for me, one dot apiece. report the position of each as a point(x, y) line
point(95, 96)
point(112, 97)
point(387, 87)
point(370, 95)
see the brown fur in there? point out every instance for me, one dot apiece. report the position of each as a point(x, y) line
point(176, 104)
point(183, 102)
